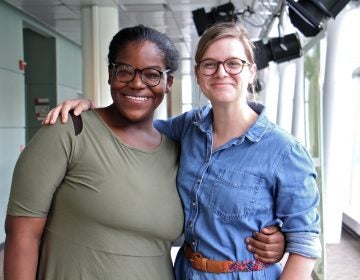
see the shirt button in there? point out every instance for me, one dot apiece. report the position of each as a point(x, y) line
point(193, 243)
point(198, 181)
point(194, 202)
point(190, 224)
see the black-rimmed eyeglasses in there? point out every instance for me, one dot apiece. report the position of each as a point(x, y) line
point(125, 73)
point(232, 66)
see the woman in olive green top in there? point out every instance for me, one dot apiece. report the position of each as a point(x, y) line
point(104, 200)
point(101, 200)
point(107, 209)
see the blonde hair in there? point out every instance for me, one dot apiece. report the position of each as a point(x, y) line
point(225, 30)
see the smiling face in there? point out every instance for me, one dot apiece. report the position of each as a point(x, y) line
point(135, 101)
point(223, 87)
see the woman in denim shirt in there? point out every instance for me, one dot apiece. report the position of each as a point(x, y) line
point(239, 172)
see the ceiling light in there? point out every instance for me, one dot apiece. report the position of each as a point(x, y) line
point(309, 15)
point(279, 49)
point(222, 13)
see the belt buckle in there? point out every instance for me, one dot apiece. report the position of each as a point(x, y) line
point(194, 256)
point(199, 262)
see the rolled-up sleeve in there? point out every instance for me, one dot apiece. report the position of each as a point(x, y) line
point(306, 244)
point(297, 201)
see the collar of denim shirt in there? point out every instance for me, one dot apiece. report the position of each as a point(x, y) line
point(204, 116)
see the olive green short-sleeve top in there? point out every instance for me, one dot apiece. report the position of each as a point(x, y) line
point(113, 210)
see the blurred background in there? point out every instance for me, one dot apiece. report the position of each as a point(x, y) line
point(309, 79)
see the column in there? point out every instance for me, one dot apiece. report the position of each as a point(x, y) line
point(338, 108)
point(270, 92)
point(298, 115)
point(286, 94)
point(99, 25)
point(176, 97)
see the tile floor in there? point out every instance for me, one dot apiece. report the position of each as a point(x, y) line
point(343, 259)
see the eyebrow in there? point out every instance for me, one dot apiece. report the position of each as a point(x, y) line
point(152, 66)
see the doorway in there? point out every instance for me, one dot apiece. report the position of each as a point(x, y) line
point(40, 78)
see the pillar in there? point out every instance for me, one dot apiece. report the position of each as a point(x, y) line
point(298, 114)
point(286, 94)
point(338, 109)
point(99, 25)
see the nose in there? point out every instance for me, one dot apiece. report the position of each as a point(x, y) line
point(220, 72)
point(137, 81)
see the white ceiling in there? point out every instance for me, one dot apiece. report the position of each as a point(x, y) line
point(173, 17)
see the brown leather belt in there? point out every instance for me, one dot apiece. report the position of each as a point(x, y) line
point(215, 266)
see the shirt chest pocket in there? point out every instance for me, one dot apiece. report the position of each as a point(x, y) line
point(233, 195)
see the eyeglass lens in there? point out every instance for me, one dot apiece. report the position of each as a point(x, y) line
point(232, 66)
point(126, 73)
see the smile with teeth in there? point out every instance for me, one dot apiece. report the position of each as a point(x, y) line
point(138, 98)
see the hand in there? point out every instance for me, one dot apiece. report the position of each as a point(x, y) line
point(268, 245)
point(79, 105)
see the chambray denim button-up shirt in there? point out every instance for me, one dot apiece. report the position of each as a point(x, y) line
point(261, 178)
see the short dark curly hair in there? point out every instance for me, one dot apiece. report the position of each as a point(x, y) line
point(140, 33)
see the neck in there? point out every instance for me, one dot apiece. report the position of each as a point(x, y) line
point(229, 123)
point(233, 120)
point(138, 135)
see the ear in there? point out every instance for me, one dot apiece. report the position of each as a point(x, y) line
point(252, 76)
point(169, 82)
point(196, 74)
point(111, 75)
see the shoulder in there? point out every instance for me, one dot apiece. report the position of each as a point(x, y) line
point(85, 120)
point(291, 151)
point(281, 140)
point(195, 117)
point(168, 142)
point(270, 133)
point(187, 116)
point(169, 145)
point(54, 131)
point(282, 136)
point(61, 134)
point(175, 126)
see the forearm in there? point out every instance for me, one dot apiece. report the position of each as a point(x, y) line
point(298, 268)
point(22, 243)
point(20, 259)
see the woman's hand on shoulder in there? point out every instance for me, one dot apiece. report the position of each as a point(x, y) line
point(79, 106)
